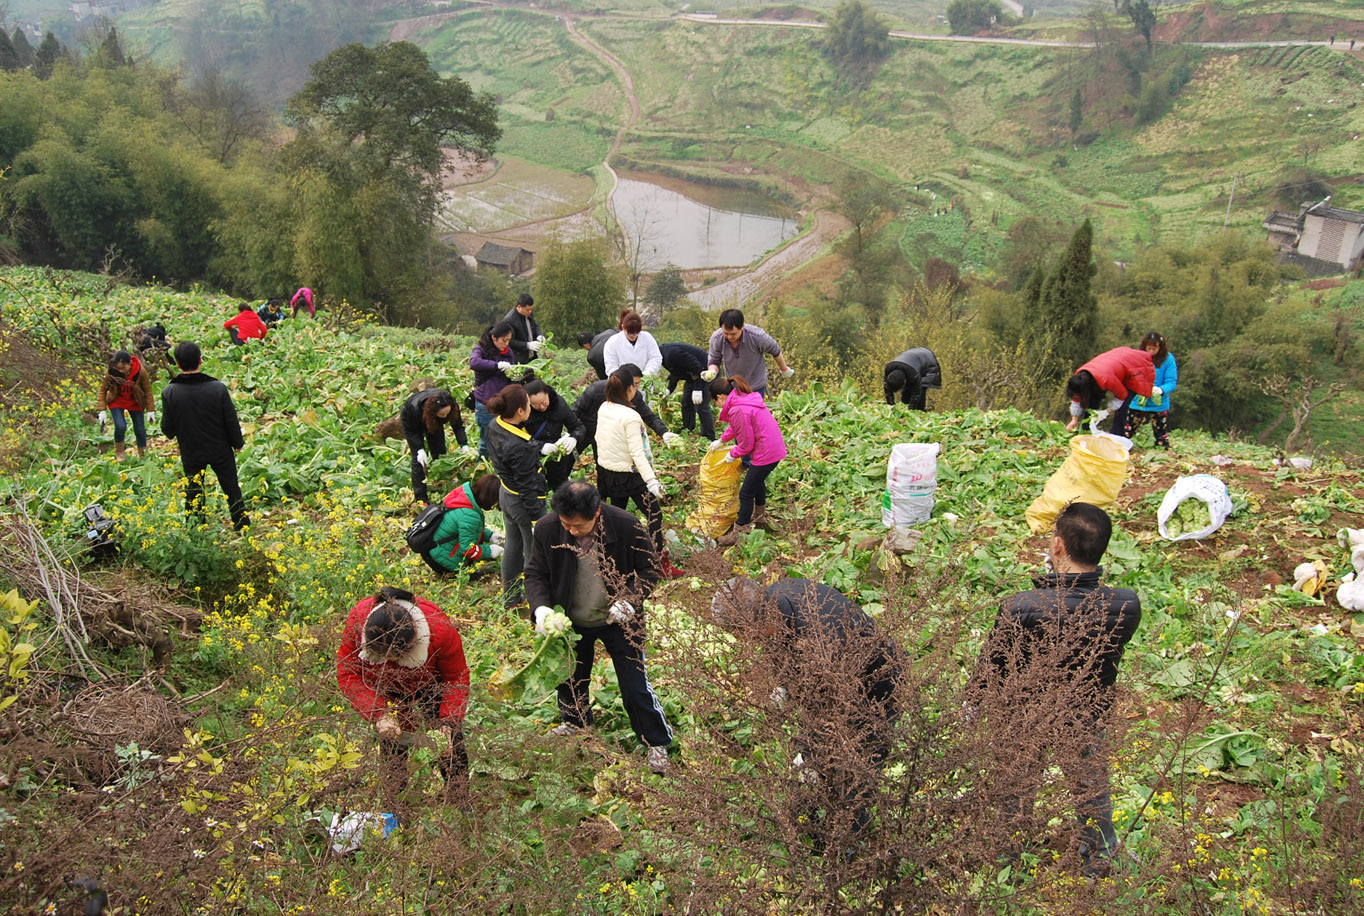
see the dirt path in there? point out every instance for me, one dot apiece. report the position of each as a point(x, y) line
point(738, 290)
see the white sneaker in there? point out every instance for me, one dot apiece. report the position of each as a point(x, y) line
point(564, 730)
point(658, 760)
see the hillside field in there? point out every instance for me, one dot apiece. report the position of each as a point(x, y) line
point(185, 780)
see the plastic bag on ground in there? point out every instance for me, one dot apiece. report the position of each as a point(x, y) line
point(1204, 487)
point(1351, 591)
point(348, 832)
point(911, 478)
point(718, 506)
point(1093, 473)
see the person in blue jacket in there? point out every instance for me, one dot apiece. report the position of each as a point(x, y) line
point(1155, 410)
point(463, 540)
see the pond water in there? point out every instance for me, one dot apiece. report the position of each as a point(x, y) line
point(671, 227)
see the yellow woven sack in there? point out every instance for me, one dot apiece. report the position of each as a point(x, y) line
point(718, 507)
point(1093, 473)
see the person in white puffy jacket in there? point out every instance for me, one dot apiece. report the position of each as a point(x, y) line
point(624, 469)
point(632, 344)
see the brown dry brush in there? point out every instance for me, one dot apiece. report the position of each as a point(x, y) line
point(965, 814)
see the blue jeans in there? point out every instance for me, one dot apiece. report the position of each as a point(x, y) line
point(753, 491)
point(121, 425)
point(482, 416)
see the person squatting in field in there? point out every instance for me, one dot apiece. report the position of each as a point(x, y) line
point(424, 416)
point(401, 665)
point(126, 387)
point(1092, 623)
point(1155, 409)
point(1122, 373)
point(462, 539)
point(246, 325)
point(837, 673)
point(597, 563)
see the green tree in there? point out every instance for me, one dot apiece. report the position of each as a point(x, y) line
point(9, 58)
point(967, 17)
point(47, 55)
point(665, 290)
point(110, 53)
point(1077, 113)
point(373, 127)
point(577, 287)
point(1067, 309)
point(22, 49)
point(1143, 19)
point(856, 41)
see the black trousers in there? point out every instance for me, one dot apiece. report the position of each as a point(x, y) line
point(627, 654)
point(691, 411)
point(558, 470)
point(434, 443)
point(225, 469)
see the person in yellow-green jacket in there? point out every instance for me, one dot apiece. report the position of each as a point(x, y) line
point(463, 540)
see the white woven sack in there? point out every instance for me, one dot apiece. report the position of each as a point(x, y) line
point(1204, 487)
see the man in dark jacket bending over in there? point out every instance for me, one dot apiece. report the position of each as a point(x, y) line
point(838, 671)
point(685, 363)
point(1078, 629)
point(597, 563)
point(909, 374)
point(197, 411)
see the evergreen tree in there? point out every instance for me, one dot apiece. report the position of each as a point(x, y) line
point(1077, 113)
point(577, 287)
point(46, 56)
point(1068, 310)
point(22, 48)
point(110, 53)
point(857, 40)
point(9, 58)
point(1032, 292)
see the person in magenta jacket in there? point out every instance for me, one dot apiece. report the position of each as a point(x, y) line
point(1122, 373)
point(401, 661)
point(757, 437)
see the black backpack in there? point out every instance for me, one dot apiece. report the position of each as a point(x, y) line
point(421, 537)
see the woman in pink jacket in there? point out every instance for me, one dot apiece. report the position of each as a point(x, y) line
point(756, 436)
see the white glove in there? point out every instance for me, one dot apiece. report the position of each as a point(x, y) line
point(670, 437)
point(468, 451)
point(731, 457)
point(540, 338)
point(1157, 392)
point(567, 444)
point(503, 366)
point(788, 372)
point(621, 612)
point(1114, 404)
point(718, 443)
point(709, 375)
point(542, 614)
point(655, 488)
point(424, 461)
point(494, 551)
point(151, 417)
point(103, 419)
point(778, 697)
point(535, 345)
point(696, 397)
point(498, 538)
point(1100, 416)
point(547, 449)
point(807, 774)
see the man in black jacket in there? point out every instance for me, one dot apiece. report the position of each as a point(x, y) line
point(1070, 633)
point(598, 563)
point(838, 671)
point(685, 363)
point(526, 339)
point(909, 375)
point(595, 345)
point(197, 411)
point(594, 396)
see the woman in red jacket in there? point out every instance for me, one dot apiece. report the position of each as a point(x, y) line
point(1122, 373)
point(401, 661)
point(246, 326)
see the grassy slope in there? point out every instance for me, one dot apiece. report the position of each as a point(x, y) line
point(331, 504)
